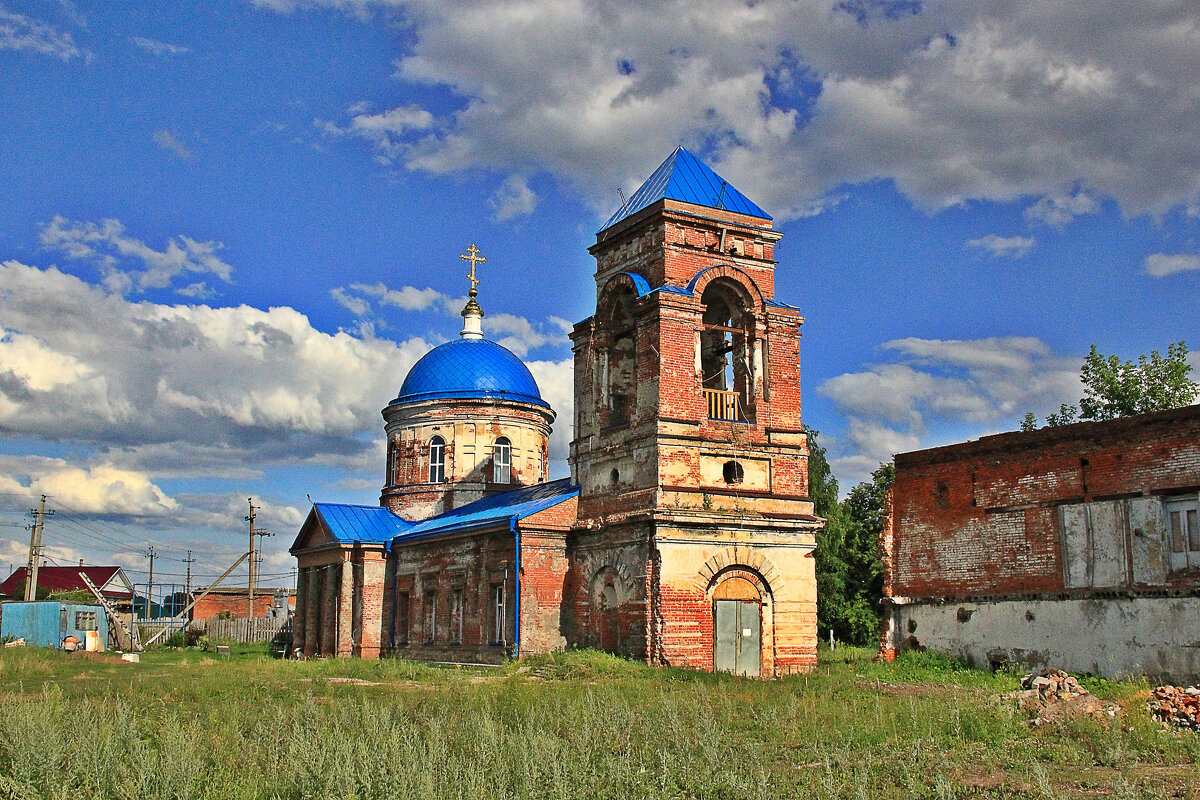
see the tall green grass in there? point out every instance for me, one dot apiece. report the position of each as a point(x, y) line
point(575, 725)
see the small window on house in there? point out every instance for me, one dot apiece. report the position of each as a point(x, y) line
point(85, 620)
point(502, 461)
point(497, 620)
point(437, 460)
point(614, 476)
point(402, 608)
point(456, 617)
point(733, 472)
point(430, 617)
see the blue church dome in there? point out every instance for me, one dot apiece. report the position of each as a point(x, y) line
point(470, 369)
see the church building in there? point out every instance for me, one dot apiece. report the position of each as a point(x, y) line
point(685, 533)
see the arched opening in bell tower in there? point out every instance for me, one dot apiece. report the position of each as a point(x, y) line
point(621, 360)
point(725, 341)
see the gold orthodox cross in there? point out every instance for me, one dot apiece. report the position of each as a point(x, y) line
point(473, 256)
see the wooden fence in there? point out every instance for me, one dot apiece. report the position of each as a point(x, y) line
point(245, 629)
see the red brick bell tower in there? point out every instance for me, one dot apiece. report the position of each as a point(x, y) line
point(695, 531)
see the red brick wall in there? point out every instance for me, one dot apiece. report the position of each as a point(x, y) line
point(981, 518)
point(236, 604)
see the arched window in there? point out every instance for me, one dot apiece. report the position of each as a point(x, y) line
point(725, 352)
point(621, 387)
point(502, 461)
point(437, 460)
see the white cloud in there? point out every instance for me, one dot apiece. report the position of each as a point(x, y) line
point(1160, 265)
point(93, 489)
point(355, 305)
point(408, 298)
point(512, 199)
point(1058, 210)
point(556, 381)
point(968, 387)
point(108, 245)
point(168, 141)
point(264, 384)
point(790, 101)
point(19, 32)
point(516, 333)
point(1003, 246)
point(155, 47)
point(198, 291)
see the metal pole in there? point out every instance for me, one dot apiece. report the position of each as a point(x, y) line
point(150, 585)
point(250, 580)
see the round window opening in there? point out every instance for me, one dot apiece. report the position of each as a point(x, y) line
point(733, 472)
point(614, 476)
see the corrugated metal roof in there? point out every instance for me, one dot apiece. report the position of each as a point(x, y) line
point(496, 509)
point(685, 178)
point(65, 579)
point(349, 524)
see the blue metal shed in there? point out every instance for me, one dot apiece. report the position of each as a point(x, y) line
point(47, 624)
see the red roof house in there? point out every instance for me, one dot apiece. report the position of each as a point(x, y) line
point(111, 581)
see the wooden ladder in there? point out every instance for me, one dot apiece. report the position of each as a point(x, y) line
point(126, 639)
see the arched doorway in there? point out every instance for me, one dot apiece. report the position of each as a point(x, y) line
point(737, 627)
point(604, 614)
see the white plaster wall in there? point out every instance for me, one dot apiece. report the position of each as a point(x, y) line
point(1156, 636)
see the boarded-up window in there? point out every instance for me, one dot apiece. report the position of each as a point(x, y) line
point(1093, 540)
point(1183, 532)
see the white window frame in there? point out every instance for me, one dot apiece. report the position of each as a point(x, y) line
point(502, 460)
point(498, 613)
point(437, 460)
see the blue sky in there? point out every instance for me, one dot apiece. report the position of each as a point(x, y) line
point(227, 229)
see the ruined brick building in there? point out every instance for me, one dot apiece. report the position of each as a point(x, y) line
point(685, 533)
point(1076, 547)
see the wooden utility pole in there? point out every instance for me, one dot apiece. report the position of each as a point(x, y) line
point(35, 549)
point(250, 580)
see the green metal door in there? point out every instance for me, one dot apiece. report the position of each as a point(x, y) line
point(737, 637)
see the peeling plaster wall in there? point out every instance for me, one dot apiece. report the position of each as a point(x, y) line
point(1050, 546)
point(1109, 637)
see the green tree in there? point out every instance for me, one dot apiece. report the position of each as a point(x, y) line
point(1113, 388)
point(848, 563)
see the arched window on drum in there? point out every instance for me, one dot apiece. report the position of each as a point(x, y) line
point(502, 461)
point(437, 460)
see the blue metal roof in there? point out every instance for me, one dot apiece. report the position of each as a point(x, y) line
point(349, 524)
point(469, 369)
point(503, 508)
point(685, 178)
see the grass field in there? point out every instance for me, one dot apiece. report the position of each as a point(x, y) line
point(187, 724)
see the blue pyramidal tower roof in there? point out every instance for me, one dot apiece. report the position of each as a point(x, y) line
point(685, 178)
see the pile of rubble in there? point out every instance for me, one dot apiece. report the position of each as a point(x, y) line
point(1175, 705)
point(1052, 684)
point(1052, 694)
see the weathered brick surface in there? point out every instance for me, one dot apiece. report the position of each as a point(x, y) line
point(982, 518)
point(655, 504)
point(469, 429)
point(660, 529)
point(235, 601)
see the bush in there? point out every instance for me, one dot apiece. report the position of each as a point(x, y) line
point(175, 640)
point(192, 637)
